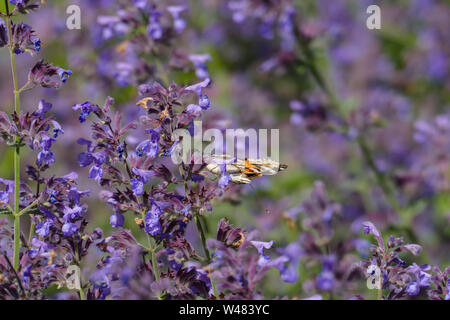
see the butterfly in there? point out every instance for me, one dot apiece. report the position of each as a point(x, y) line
point(244, 171)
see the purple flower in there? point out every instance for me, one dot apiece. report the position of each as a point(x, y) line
point(45, 155)
point(152, 223)
point(203, 100)
point(144, 174)
point(154, 29)
point(137, 185)
point(96, 173)
point(369, 228)
point(325, 280)
point(86, 109)
point(85, 159)
point(101, 286)
point(74, 213)
point(24, 39)
point(260, 246)
point(47, 75)
point(43, 228)
point(149, 147)
point(179, 23)
point(413, 288)
point(199, 62)
point(64, 74)
point(69, 229)
point(224, 180)
point(117, 220)
point(57, 129)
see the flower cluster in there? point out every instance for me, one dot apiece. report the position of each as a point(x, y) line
point(367, 149)
point(141, 30)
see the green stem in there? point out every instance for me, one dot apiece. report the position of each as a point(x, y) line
point(32, 230)
point(203, 237)
point(78, 263)
point(153, 257)
point(82, 295)
point(205, 248)
point(17, 150)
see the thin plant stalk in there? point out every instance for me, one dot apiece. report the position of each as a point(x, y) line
point(203, 238)
point(153, 258)
point(205, 248)
point(17, 143)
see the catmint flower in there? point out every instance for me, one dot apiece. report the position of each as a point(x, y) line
point(25, 6)
point(199, 62)
point(117, 220)
point(69, 229)
point(152, 223)
point(149, 147)
point(43, 108)
point(47, 75)
point(57, 129)
point(179, 23)
point(45, 155)
point(293, 252)
point(369, 228)
point(413, 288)
point(154, 29)
point(9, 188)
point(224, 180)
point(43, 228)
point(137, 185)
point(85, 159)
point(203, 100)
point(72, 213)
point(86, 109)
point(96, 173)
point(24, 39)
point(326, 279)
point(101, 285)
point(64, 74)
point(260, 246)
point(112, 26)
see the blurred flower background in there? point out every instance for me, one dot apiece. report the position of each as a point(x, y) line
point(364, 129)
